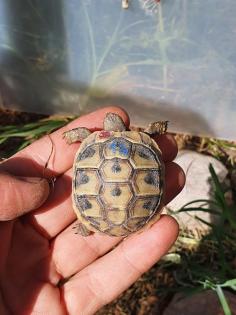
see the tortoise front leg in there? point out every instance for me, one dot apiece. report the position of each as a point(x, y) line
point(76, 135)
point(157, 128)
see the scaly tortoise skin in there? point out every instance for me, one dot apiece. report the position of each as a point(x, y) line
point(118, 181)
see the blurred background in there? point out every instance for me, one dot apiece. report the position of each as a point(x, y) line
point(175, 60)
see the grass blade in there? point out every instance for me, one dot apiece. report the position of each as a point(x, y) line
point(223, 300)
point(199, 209)
point(200, 200)
point(230, 284)
point(219, 195)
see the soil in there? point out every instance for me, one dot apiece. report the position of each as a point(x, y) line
point(10, 117)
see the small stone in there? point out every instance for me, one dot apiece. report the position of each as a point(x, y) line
point(206, 303)
point(198, 186)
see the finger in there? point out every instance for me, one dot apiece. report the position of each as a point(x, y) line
point(57, 212)
point(174, 181)
point(106, 278)
point(31, 161)
point(20, 195)
point(80, 251)
point(168, 146)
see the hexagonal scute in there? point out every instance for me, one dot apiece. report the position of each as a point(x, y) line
point(117, 148)
point(116, 170)
point(88, 206)
point(144, 207)
point(89, 157)
point(147, 182)
point(116, 196)
point(87, 182)
point(143, 157)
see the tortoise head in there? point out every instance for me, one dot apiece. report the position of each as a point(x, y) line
point(113, 122)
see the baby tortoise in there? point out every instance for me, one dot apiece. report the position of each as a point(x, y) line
point(118, 177)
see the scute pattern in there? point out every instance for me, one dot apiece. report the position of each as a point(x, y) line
point(117, 147)
point(117, 185)
point(116, 170)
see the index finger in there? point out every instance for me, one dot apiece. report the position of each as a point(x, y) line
point(53, 150)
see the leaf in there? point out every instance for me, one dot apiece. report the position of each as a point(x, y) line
point(199, 200)
point(24, 144)
point(199, 209)
point(230, 283)
point(3, 140)
point(31, 131)
point(218, 189)
point(205, 222)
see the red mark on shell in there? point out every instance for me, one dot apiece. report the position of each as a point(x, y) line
point(104, 134)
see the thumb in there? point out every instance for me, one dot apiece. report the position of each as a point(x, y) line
point(19, 195)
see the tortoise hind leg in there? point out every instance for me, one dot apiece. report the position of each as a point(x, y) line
point(81, 229)
point(76, 135)
point(157, 128)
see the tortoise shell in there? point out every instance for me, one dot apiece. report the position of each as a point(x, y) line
point(118, 182)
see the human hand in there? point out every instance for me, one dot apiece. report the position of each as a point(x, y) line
point(39, 249)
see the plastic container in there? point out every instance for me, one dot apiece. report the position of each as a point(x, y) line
point(175, 60)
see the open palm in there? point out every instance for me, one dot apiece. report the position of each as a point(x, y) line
point(45, 268)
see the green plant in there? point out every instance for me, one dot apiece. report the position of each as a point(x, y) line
point(26, 134)
point(207, 262)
